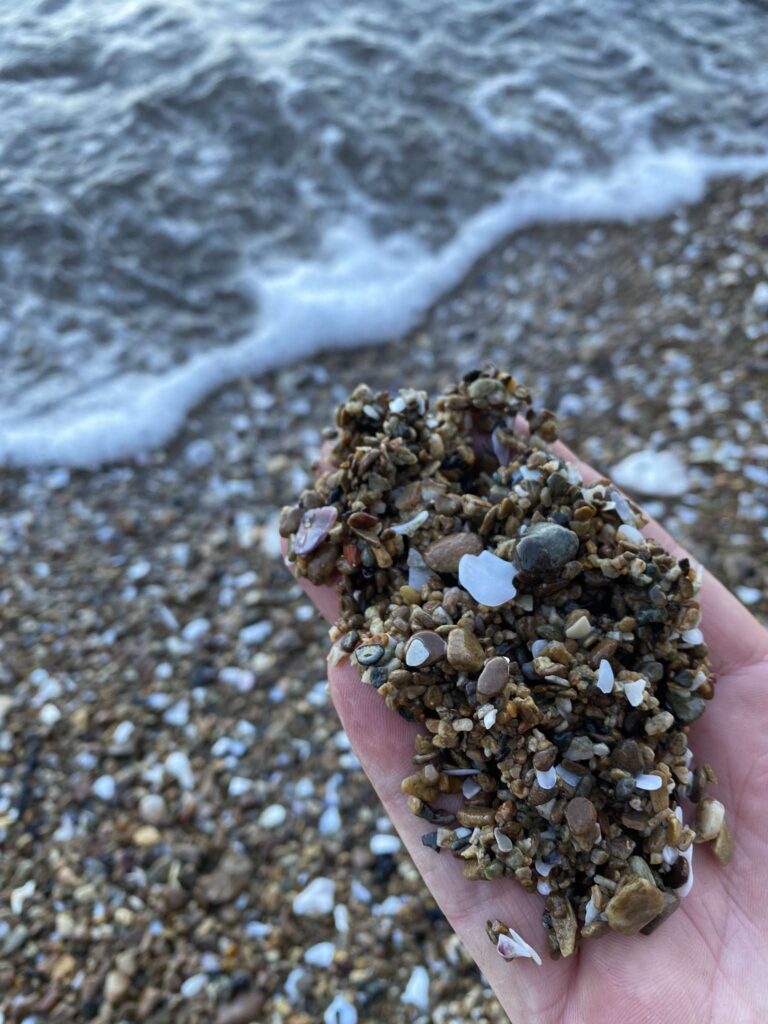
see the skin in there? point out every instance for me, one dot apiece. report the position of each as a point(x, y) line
point(707, 962)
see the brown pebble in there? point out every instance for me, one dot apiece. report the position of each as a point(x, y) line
point(544, 759)
point(634, 906)
point(474, 817)
point(580, 815)
point(320, 565)
point(464, 651)
point(243, 1010)
point(444, 554)
point(671, 903)
point(227, 881)
point(627, 756)
point(290, 517)
point(564, 923)
point(116, 986)
point(493, 678)
point(424, 649)
point(723, 845)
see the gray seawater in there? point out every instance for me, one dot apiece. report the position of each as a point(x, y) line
point(157, 157)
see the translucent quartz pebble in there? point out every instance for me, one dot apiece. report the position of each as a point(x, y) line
point(605, 676)
point(488, 578)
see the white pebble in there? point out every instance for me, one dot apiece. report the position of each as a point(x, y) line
point(104, 787)
point(591, 913)
point(256, 633)
point(503, 841)
point(178, 713)
point(489, 718)
point(571, 778)
point(543, 868)
point(579, 629)
point(239, 786)
point(547, 779)
point(195, 630)
point(760, 295)
point(138, 571)
point(178, 767)
point(316, 899)
point(469, 788)
point(292, 984)
point(417, 990)
point(543, 888)
point(658, 474)
point(242, 679)
point(194, 986)
point(199, 453)
point(693, 636)
point(359, 892)
point(21, 895)
point(488, 578)
point(537, 647)
point(273, 816)
point(634, 692)
point(341, 918)
point(605, 677)
point(748, 595)
point(383, 844)
point(49, 714)
point(123, 732)
point(340, 1012)
point(649, 782)
point(320, 955)
point(330, 821)
point(152, 808)
point(630, 535)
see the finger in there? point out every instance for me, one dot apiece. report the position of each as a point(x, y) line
point(383, 742)
point(734, 637)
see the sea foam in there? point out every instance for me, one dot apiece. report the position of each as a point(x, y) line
point(359, 290)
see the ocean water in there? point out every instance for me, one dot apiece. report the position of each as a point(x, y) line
point(192, 190)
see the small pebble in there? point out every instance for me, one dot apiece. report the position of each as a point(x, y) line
point(316, 899)
point(273, 816)
point(105, 788)
point(417, 990)
point(194, 986)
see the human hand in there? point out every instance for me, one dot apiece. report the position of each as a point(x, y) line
point(707, 962)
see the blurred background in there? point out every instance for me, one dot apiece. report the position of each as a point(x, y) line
point(215, 220)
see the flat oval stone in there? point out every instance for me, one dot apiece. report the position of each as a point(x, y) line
point(634, 906)
point(545, 548)
point(313, 529)
point(464, 651)
point(493, 678)
point(445, 554)
point(580, 815)
point(424, 649)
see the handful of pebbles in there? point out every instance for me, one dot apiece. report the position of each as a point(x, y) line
point(551, 653)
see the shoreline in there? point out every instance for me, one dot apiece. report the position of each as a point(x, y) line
point(154, 647)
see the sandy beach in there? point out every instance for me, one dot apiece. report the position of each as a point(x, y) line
point(183, 777)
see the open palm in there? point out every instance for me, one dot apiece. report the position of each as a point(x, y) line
point(708, 962)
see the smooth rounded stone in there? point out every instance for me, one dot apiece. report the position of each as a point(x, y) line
point(627, 756)
point(710, 817)
point(685, 706)
point(464, 651)
point(678, 873)
point(545, 548)
point(369, 654)
point(634, 906)
point(290, 520)
point(245, 1009)
point(315, 525)
point(581, 815)
point(322, 563)
point(640, 867)
point(273, 816)
point(445, 554)
point(723, 844)
point(494, 677)
point(316, 899)
point(625, 789)
point(544, 759)
point(116, 986)
point(659, 723)
point(424, 649)
point(671, 903)
point(146, 835)
point(488, 578)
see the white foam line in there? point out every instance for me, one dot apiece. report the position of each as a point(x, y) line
point(358, 291)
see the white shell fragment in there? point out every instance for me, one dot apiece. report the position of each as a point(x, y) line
point(658, 474)
point(591, 913)
point(605, 677)
point(487, 578)
point(469, 789)
point(649, 782)
point(503, 841)
point(547, 779)
point(686, 887)
point(634, 692)
point(543, 868)
point(410, 527)
point(693, 636)
point(512, 946)
point(537, 647)
point(580, 629)
point(417, 990)
point(418, 570)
